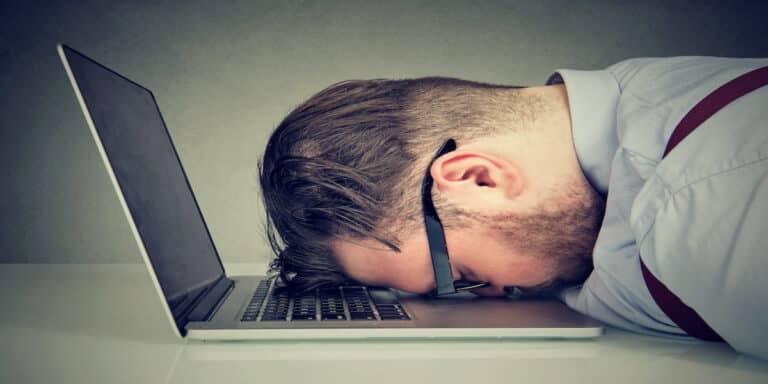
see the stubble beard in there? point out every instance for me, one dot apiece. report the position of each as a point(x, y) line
point(561, 231)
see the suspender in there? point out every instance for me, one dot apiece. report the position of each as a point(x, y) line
point(684, 316)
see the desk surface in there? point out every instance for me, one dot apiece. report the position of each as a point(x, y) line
point(103, 324)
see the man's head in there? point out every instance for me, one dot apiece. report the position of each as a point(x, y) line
point(341, 179)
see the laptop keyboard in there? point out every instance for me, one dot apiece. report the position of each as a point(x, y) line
point(354, 303)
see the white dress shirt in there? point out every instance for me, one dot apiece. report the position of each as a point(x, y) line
point(698, 218)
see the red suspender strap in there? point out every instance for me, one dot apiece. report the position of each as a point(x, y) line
point(684, 316)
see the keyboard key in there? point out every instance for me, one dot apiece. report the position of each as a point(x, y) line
point(383, 296)
point(277, 307)
point(254, 305)
point(327, 305)
point(362, 316)
point(392, 312)
point(331, 304)
point(358, 303)
point(304, 307)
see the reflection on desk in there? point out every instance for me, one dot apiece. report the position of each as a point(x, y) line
point(104, 324)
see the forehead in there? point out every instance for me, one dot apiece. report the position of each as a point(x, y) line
point(372, 263)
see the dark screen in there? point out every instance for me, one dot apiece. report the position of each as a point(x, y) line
point(151, 178)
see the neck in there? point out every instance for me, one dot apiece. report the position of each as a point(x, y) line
point(553, 124)
point(550, 149)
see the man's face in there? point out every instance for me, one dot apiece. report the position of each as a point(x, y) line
point(473, 257)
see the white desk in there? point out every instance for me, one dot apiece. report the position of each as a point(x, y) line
point(103, 324)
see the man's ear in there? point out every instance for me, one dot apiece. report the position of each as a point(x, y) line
point(477, 178)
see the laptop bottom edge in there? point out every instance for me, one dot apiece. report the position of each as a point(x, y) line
point(394, 333)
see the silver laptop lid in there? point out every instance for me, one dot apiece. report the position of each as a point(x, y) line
point(150, 181)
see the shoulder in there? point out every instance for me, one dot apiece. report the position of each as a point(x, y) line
point(656, 93)
point(700, 217)
point(649, 73)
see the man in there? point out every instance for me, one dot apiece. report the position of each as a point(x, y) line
point(545, 183)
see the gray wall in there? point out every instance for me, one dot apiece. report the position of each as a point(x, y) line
point(224, 76)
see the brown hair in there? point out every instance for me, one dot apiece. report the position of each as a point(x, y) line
point(348, 163)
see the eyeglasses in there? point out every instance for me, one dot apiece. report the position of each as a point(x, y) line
point(436, 237)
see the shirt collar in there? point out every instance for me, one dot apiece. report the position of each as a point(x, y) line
point(592, 96)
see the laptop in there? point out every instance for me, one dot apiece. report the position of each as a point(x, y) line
point(202, 302)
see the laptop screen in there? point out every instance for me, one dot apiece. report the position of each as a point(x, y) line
point(151, 178)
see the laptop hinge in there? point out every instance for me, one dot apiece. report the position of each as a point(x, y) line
point(208, 301)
